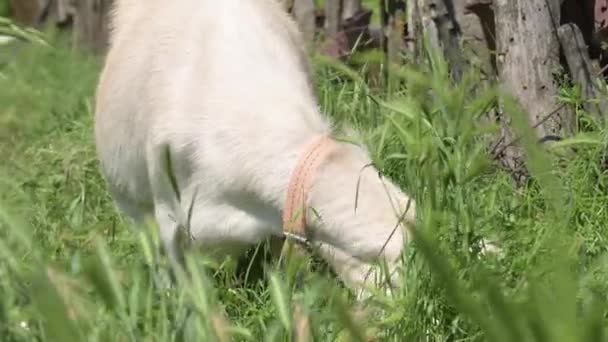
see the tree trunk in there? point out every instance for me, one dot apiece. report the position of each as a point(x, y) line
point(528, 53)
point(91, 25)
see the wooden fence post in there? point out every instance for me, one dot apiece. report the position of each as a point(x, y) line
point(62, 11)
point(333, 18)
point(28, 12)
point(442, 31)
point(477, 21)
point(91, 24)
point(304, 13)
point(37, 13)
point(528, 53)
point(414, 29)
point(582, 71)
point(350, 8)
point(395, 27)
point(395, 43)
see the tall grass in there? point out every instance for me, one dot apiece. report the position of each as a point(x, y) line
point(72, 270)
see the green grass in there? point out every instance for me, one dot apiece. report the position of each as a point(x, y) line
point(71, 269)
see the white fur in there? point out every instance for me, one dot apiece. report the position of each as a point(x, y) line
point(225, 85)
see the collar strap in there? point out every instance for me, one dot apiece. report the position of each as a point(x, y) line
point(294, 212)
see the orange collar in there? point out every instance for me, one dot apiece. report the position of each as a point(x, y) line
point(294, 213)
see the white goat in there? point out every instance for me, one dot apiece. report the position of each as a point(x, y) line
point(225, 87)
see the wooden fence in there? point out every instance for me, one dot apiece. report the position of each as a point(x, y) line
point(343, 20)
point(342, 24)
point(517, 43)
